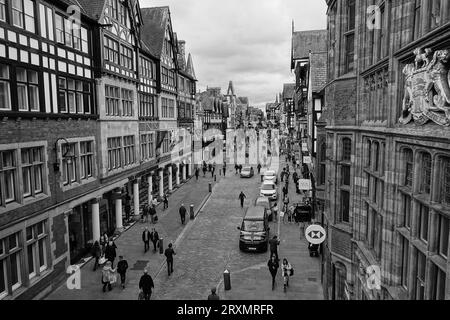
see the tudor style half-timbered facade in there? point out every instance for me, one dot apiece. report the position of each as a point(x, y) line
point(48, 139)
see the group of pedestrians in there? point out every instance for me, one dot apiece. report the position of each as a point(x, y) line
point(273, 264)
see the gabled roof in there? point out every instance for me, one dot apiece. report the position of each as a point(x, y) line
point(93, 8)
point(318, 65)
point(190, 67)
point(288, 90)
point(153, 31)
point(305, 41)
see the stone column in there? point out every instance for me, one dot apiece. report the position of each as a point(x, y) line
point(178, 174)
point(161, 183)
point(184, 167)
point(136, 196)
point(170, 179)
point(118, 207)
point(95, 203)
point(150, 188)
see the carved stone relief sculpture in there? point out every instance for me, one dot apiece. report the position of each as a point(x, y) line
point(427, 88)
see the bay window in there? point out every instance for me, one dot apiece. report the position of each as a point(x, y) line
point(111, 50)
point(127, 102)
point(129, 150)
point(23, 14)
point(114, 153)
point(126, 57)
point(112, 100)
point(74, 96)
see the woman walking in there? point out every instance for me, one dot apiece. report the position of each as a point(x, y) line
point(108, 276)
point(96, 254)
point(110, 252)
point(286, 268)
point(273, 269)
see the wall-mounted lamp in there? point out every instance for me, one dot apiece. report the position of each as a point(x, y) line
point(68, 156)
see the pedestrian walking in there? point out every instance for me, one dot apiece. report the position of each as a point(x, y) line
point(146, 285)
point(224, 169)
point(204, 170)
point(275, 212)
point(110, 252)
point(285, 191)
point(282, 174)
point(236, 167)
point(286, 203)
point(108, 276)
point(273, 244)
point(213, 170)
point(122, 267)
point(96, 254)
point(273, 269)
point(240, 168)
point(152, 212)
point(166, 201)
point(242, 197)
point(154, 237)
point(146, 237)
point(183, 213)
point(145, 213)
point(259, 168)
point(209, 167)
point(287, 271)
point(213, 295)
point(127, 207)
point(103, 242)
point(169, 253)
point(197, 173)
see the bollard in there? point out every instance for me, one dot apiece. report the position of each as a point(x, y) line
point(227, 280)
point(210, 187)
point(161, 245)
point(192, 212)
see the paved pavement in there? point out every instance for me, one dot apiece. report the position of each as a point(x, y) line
point(131, 247)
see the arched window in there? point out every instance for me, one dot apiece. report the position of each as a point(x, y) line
point(425, 170)
point(408, 157)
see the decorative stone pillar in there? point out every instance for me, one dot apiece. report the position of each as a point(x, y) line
point(161, 183)
point(118, 208)
point(150, 188)
point(136, 196)
point(178, 174)
point(170, 179)
point(183, 172)
point(95, 211)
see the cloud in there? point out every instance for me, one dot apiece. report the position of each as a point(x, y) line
point(247, 41)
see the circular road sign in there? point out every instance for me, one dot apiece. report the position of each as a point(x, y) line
point(315, 234)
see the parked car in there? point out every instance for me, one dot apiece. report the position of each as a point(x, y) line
point(271, 176)
point(254, 230)
point(247, 172)
point(265, 203)
point(269, 189)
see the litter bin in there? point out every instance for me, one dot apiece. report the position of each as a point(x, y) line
point(191, 212)
point(161, 245)
point(227, 280)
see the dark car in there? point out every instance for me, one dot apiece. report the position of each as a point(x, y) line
point(254, 230)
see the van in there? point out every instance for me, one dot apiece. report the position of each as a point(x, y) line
point(254, 230)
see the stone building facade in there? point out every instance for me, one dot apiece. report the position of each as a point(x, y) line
point(387, 153)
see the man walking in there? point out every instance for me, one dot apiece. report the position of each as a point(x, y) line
point(273, 244)
point(197, 173)
point(273, 269)
point(183, 213)
point(213, 295)
point(154, 236)
point(242, 197)
point(146, 285)
point(166, 202)
point(224, 168)
point(146, 236)
point(259, 168)
point(213, 170)
point(169, 253)
point(122, 267)
point(152, 212)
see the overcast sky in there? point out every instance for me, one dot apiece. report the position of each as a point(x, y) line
point(247, 41)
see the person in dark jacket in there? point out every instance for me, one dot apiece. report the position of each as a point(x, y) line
point(213, 170)
point(213, 295)
point(146, 237)
point(127, 207)
point(242, 197)
point(236, 167)
point(224, 168)
point(122, 267)
point(169, 253)
point(197, 173)
point(154, 236)
point(146, 285)
point(166, 202)
point(273, 268)
point(96, 253)
point(204, 170)
point(259, 168)
point(183, 213)
point(273, 244)
point(110, 252)
point(152, 212)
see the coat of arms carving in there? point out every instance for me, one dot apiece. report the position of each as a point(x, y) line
point(427, 88)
